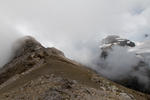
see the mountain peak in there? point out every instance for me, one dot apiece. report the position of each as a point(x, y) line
point(46, 74)
point(25, 45)
point(117, 40)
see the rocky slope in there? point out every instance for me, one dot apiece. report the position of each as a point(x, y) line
point(38, 73)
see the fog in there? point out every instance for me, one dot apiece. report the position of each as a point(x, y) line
point(76, 27)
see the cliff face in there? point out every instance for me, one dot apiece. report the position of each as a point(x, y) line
point(38, 73)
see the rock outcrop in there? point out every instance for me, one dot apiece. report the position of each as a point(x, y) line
point(114, 40)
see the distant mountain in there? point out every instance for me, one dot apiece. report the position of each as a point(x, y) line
point(39, 73)
point(135, 75)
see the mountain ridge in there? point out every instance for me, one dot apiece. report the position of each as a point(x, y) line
point(46, 74)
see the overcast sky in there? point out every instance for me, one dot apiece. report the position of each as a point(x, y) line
point(54, 19)
point(72, 25)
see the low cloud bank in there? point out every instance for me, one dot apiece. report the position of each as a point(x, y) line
point(8, 37)
point(123, 64)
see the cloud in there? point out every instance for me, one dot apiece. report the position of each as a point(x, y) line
point(68, 19)
point(8, 36)
point(119, 63)
point(76, 27)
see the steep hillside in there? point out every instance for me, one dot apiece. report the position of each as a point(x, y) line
point(38, 73)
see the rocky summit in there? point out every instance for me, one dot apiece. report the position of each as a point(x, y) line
point(39, 73)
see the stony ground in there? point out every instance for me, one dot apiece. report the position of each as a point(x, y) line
point(50, 87)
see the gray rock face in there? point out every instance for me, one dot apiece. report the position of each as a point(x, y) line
point(116, 40)
point(25, 45)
